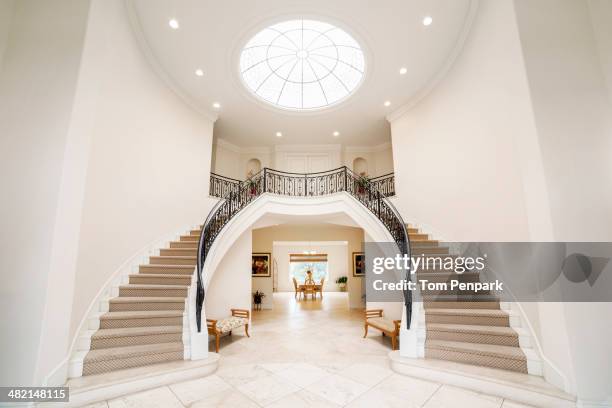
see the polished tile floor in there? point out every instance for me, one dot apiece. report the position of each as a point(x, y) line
point(307, 353)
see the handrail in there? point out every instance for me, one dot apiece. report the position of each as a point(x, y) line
point(322, 183)
point(221, 185)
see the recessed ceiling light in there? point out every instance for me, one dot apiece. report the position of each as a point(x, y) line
point(336, 133)
point(199, 72)
point(279, 134)
point(387, 103)
point(174, 24)
point(427, 20)
point(216, 105)
point(403, 70)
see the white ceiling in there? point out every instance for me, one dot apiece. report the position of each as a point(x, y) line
point(212, 33)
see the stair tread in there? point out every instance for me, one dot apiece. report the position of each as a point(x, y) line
point(167, 266)
point(135, 331)
point(468, 312)
point(174, 256)
point(161, 275)
point(115, 353)
point(151, 286)
point(472, 328)
point(143, 299)
point(141, 314)
point(494, 350)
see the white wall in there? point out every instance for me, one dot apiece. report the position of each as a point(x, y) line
point(379, 158)
point(38, 81)
point(104, 159)
point(6, 16)
point(230, 286)
point(456, 152)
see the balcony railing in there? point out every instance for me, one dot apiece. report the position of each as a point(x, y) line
point(220, 186)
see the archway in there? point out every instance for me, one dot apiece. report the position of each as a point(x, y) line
point(253, 166)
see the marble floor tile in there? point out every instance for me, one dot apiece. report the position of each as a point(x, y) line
point(160, 397)
point(413, 390)
point(303, 374)
point(229, 398)
point(302, 399)
point(268, 389)
point(337, 389)
point(451, 397)
point(366, 374)
point(241, 373)
point(193, 390)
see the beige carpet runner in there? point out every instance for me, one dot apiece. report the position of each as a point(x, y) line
point(144, 324)
point(476, 333)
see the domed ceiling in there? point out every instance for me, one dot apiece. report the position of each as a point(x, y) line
point(314, 72)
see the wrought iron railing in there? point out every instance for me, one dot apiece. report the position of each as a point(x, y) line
point(272, 181)
point(385, 184)
point(220, 186)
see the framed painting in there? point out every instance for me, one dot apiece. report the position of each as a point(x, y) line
point(260, 265)
point(359, 264)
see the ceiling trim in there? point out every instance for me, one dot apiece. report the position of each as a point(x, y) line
point(311, 148)
point(138, 32)
point(368, 149)
point(443, 71)
point(240, 149)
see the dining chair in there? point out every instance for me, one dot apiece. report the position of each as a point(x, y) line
point(297, 288)
point(320, 288)
point(309, 289)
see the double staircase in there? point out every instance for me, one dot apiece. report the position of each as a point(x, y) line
point(474, 332)
point(145, 323)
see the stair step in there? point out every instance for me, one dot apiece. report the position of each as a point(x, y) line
point(126, 304)
point(431, 250)
point(134, 336)
point(425, 243)
point(179, 251)
point(184, 244)
point(167, 269)
point(117, 358)
point(482, 317)
point(117, 320)
point(195, 232)
point(412, 230)
point(143, 290)
point(434, 303)
point(504, 357)
point(160, 279)
point(502, 336)
point(189, 238)
point(417, 236)
point(172, 260)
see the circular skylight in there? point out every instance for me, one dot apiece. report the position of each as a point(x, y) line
point(302, 64)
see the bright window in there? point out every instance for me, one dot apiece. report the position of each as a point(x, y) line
point(301, 263)
point(302, 64)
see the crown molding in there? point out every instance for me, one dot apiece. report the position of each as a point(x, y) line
point(323, 148)
point(142, 42)
point(443, 71)
point(368, 149)
point(242, 150)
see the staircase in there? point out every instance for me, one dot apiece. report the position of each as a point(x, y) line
point(144, 324)
point(471, 332)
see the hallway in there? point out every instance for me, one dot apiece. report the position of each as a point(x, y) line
point(307, 353)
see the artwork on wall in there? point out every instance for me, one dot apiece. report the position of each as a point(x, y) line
point(260, 265)
point(359, 264)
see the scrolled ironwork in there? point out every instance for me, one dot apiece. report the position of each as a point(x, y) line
point(385, 184)
point(220, 186)
point(371, 193)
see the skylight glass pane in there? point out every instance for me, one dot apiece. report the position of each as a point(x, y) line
point(302, 64)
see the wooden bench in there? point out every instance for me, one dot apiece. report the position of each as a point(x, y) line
point(375, 319)
point(239, 317)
